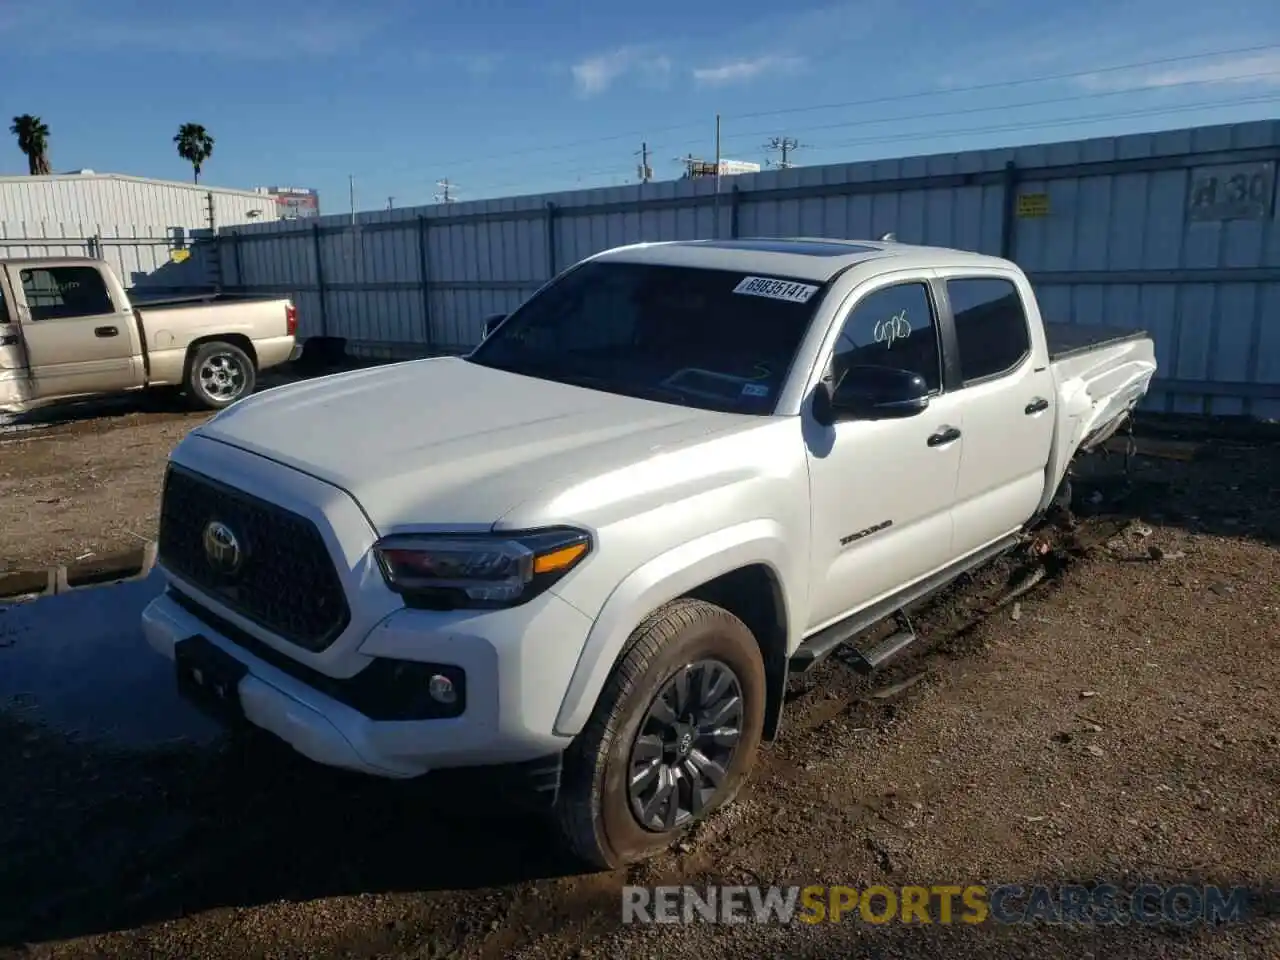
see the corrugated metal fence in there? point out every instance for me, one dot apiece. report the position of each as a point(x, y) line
point(1174, 232)
point(147, 259)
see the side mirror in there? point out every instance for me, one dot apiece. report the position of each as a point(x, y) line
point(491, 324)
point(876, 393)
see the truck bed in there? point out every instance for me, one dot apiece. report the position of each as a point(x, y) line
point(1071, 339)
point(1102, 374)
point(142, 301)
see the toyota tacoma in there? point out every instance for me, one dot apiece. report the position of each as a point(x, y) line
point(588, 554)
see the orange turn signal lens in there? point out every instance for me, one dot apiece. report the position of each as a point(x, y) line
point(560, 559)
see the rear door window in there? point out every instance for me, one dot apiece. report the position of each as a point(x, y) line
point(991, 326)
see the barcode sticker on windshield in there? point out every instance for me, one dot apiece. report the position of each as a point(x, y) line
point(776, 289)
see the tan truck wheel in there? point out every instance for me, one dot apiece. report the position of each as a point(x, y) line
point(672, 738)
point(221, 373)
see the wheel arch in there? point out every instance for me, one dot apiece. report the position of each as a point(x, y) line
point(742, 569)
point(235, 339)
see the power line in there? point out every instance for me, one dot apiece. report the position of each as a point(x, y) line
point(1002, 84)
point(965, 131)
point(898, 98)
point(1049, 101)
point(1095, 118)
point(966, 111)
point(878, 121)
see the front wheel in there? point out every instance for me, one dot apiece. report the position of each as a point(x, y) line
point(672, 738)
point(221, 373)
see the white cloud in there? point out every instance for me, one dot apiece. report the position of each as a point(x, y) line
point(1244, 69)
point(742, 71)
point(597, 74)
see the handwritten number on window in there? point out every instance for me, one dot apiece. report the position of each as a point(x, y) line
point(897, 327)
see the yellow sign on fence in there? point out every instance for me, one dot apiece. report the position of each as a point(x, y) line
point(1033, 205)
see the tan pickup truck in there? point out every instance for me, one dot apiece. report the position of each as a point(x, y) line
point(69, 331)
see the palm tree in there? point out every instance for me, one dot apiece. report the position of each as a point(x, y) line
point(194, 145)
point(33, 140)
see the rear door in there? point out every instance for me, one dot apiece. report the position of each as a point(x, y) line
point(77, 340)
point(1009, 405)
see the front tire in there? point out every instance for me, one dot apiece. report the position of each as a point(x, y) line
point(220, 374)
point(672, 737)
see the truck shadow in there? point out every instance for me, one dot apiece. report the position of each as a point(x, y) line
point(1218, 487)
point(122, 805)
point(167, 401)
point(169, 836)
point(100, 408)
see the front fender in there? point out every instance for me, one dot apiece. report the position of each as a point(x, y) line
point(660, 580)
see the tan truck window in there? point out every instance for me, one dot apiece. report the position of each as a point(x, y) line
point(4, 308)
point(58, 293)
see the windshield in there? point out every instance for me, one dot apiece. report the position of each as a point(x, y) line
point(717, 339)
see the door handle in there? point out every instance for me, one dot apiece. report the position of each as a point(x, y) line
point(1036, 405)
point(944, 436)
point(9, 340)
point(106, 331)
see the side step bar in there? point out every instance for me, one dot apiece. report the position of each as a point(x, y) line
point(825, 642)
point(888, 648)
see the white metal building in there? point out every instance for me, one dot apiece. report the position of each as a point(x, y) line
point(86, 200)
point(155, 233)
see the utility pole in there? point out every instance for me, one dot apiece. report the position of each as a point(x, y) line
point(784, 146)
point(445, 186)
point(351, 182)
point(645, 171)
point(716, 204)
point(390, 202)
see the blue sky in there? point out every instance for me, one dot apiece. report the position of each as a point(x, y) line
point(505, 97)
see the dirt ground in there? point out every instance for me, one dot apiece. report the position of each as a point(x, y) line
point(1119, 722)
point(83, 480)
point(84, 487)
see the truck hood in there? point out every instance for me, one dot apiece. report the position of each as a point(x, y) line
point(447, 443)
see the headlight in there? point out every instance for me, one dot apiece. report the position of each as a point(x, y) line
point(485, 570)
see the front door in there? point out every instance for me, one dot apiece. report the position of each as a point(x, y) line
point(882, 490)
point(77, 340)
point(15, 388)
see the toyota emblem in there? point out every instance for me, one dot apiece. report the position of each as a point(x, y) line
point(221, 548)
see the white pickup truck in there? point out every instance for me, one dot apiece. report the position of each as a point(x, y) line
point(588, 554)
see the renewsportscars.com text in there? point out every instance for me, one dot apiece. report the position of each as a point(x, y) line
point(1103, 904)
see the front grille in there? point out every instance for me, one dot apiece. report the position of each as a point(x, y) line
point(285, 581)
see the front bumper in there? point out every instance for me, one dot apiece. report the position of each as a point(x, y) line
point(517, 663)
